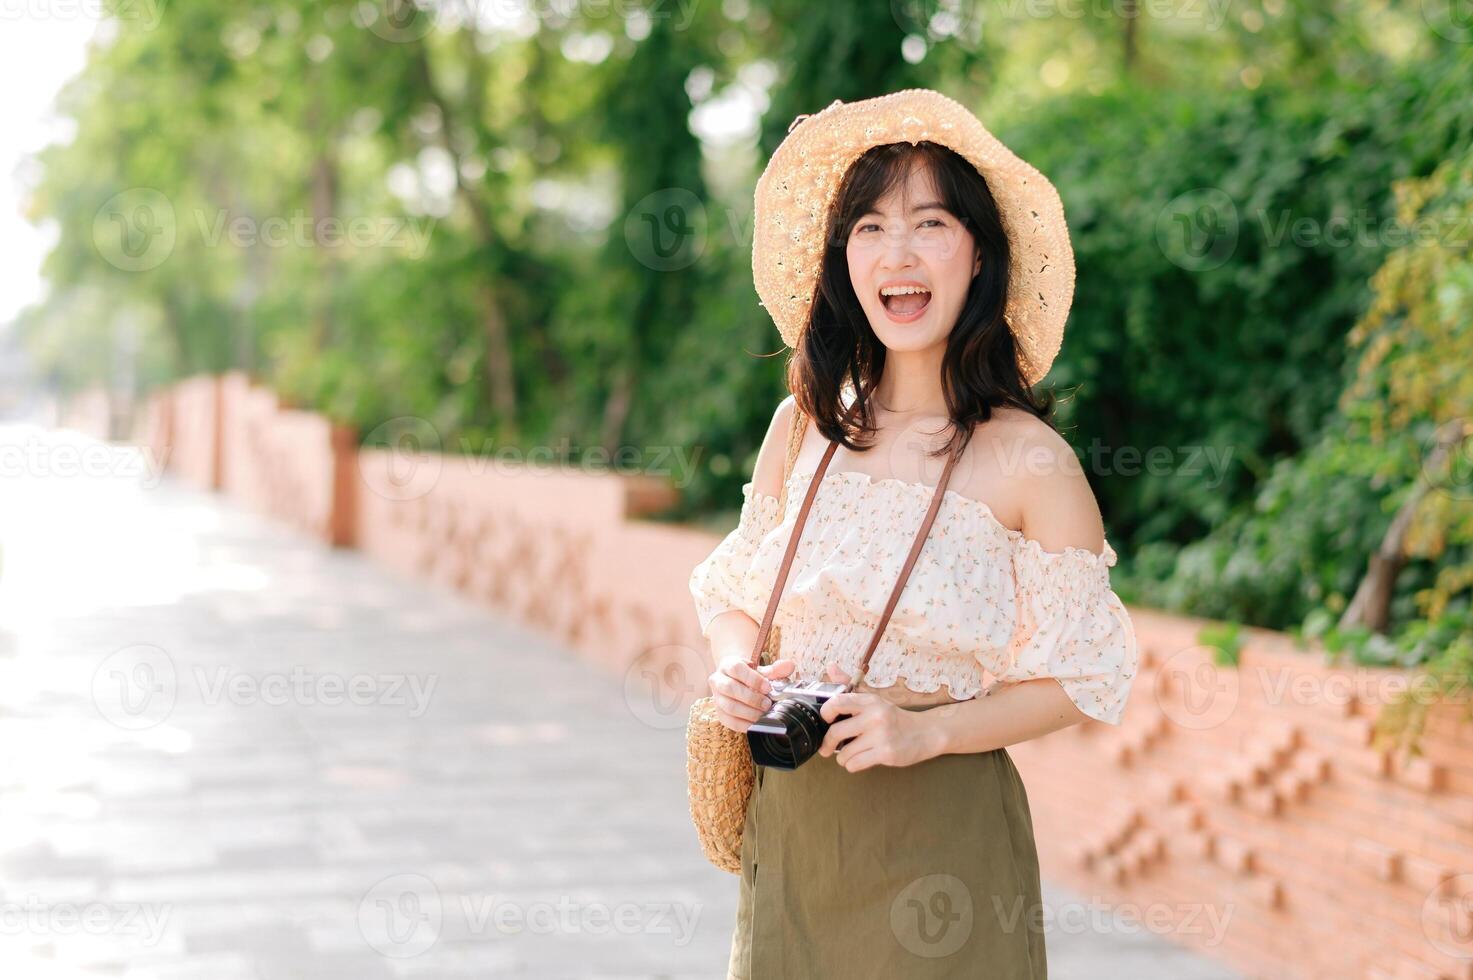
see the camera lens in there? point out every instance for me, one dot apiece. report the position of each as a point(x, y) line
point(788, 735)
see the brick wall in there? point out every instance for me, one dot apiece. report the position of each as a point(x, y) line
point(553, 548)
point(296, 466)
point(154, 425)
point(1244, 811)
point(195, 430)
point(1255, 796)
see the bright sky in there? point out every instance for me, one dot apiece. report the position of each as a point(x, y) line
point(41, 46)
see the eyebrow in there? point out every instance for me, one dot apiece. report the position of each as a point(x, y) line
point(928, 206)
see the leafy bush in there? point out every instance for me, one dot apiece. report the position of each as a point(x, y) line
point(1201, 320)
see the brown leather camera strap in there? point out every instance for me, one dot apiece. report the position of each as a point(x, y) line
point(782, 573)
point(910, 560)
point(915, 550)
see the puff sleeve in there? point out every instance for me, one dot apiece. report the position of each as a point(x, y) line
point(719, 583)
point(1073, 627)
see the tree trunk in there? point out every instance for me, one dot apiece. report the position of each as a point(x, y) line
point(324, 199)
point(500, 378)
point(1130, 10)
point(1371, 606)
point(617, 408)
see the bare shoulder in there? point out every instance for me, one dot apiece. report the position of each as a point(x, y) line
point(767, 475)
point(1056, 502)
point(1015, 423)
point(783, 414)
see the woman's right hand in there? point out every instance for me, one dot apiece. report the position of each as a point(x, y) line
point(740, 691)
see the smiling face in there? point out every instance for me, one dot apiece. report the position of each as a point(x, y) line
point(911, 263)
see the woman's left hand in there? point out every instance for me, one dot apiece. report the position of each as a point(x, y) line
point(883, 734)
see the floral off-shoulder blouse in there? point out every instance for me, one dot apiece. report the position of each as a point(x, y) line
point(982, 600)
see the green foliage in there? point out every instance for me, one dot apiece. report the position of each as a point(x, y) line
point(1412, 385)
point(1444, 679)
point(1203, 327)
point(511, 293)
point(1299, 544)
point(1224, 640)
point(1302, 549)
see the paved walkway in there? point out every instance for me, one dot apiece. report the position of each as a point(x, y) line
point(230, 753)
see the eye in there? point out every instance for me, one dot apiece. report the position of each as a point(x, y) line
point(865, 227)
point(933, 221)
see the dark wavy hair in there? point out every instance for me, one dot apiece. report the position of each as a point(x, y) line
point(980, 370)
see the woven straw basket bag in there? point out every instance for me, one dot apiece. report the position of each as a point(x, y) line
point(718, 763)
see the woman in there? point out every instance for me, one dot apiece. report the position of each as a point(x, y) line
point(922, 274)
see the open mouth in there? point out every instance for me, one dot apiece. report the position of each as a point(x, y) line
point(905, 303)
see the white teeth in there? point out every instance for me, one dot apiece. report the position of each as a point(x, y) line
point(902, 290)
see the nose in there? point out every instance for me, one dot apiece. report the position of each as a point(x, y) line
point(899, 252)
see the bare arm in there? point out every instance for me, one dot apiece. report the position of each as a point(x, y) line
point(738, 689)
point(1011, 713)
point(734, 631)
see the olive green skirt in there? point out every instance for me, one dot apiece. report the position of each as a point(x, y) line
point(922, 871)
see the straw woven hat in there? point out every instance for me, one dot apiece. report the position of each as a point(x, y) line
point(797, 190)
